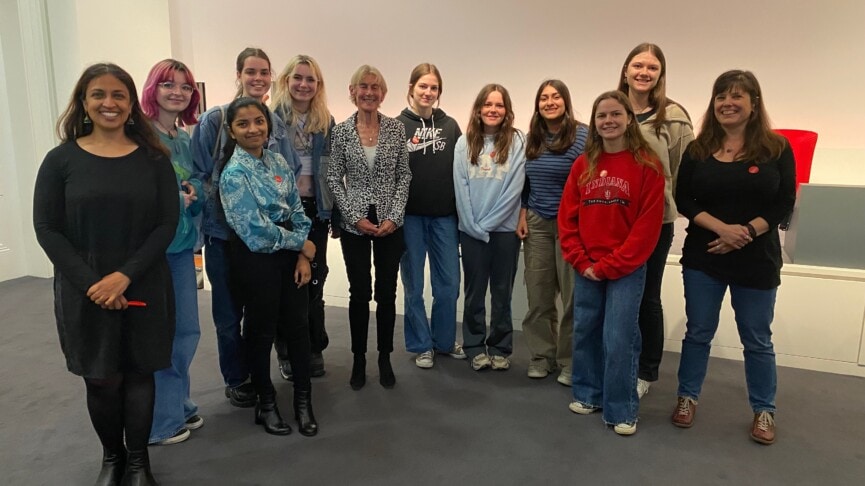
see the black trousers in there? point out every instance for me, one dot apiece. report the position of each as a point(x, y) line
point(386, 252)
point(651, 312)
point(273, 305)
point(318, 235)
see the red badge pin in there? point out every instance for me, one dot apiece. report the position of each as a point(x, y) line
point(277, 178)
point(753, 169)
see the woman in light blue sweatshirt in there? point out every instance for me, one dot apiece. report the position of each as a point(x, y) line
point(489, 172)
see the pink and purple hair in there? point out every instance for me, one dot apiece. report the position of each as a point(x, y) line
point(164, 71)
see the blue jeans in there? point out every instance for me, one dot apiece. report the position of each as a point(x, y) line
point(607, 344)
point(755, 310)
point(490, 265)
point(173, 405)
point(438, 237)
point(226, 313)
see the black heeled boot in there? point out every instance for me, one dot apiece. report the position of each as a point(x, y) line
point(358, 372)
point(138, 470)
point(113, 467)
point(306, 423)
point(385, 371)
point(267, 414)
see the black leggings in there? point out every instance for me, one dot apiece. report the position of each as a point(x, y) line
point(121, 405)
point(272, 304)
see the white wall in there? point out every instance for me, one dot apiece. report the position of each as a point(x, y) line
point(805, 54)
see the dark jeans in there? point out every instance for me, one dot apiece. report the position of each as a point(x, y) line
point(492, 265)
point(386, 253)
point(226, 313)
point(318, 339)
point(273, 305)
point(651, 312)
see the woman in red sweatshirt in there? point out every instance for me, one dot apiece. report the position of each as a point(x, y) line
point(609, 222)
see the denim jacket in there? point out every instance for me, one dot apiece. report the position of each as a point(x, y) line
point(321, 147)
point(203, 141)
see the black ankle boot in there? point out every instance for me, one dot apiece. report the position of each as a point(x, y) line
point(267, 414)
point(385, 371)
point(306, 423)
point(113, 467)
point(358, 372)
point(138, 470)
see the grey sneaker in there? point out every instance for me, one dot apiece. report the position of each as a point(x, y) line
point(500, 363)
point(481, 361)
point(642, 387)
point(457, 352)
point(564, 377)
point(424, 360)
point(538, 369)
point(180, 436)
point(625, 429)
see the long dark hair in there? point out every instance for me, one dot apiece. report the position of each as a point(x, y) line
point(230, 143)
point(634, 141)
point(475, 130)
point(761, 143)
point(71, 126)
point(536, 141)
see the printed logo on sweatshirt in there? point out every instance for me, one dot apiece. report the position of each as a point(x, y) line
point(487, 168)
point(426, 137)
point(608, 191)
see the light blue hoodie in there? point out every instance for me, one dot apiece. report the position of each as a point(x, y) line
point(488, 194)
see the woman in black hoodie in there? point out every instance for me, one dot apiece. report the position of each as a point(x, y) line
point(430, 226)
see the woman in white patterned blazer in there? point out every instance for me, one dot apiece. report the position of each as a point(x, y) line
point(369, 177)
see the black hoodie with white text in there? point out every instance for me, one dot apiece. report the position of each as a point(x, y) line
point(430, 144)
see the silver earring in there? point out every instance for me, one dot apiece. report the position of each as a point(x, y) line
point(130, 121)
point(87, 120)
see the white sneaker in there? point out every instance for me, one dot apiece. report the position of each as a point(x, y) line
point(500, 362)
point(458, 352)
point(481, 361)
point(625, 429)
point(642, 387)
point(424, 360)
point(581, 408)
point(538, 369)
point(564, 377)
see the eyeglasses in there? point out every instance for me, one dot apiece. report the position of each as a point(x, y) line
point(171, 86)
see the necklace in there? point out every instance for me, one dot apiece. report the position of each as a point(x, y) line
point(171, 132)
point(372, 131)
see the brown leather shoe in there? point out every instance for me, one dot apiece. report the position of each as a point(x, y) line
point(683, 415)
point(763, 428)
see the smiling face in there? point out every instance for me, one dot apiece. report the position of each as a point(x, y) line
point(173, 95)
point(255, 77)
point(643, 72)
point(733, 108)
point(107, 103)
point(493, 112)
point(611, 120)
point(551, 105)
point(368, 94)
point(425, 92)
point(302, 84)
point(249, 129)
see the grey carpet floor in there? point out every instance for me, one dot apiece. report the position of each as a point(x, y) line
point(448, 425)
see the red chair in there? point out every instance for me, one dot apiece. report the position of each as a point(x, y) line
point(803, 143)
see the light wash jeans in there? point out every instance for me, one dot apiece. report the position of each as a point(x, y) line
point(607, 344)
point(437, 237)
point(173, 406)
point(755, 310)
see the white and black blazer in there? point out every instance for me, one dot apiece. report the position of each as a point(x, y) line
point(355, 186)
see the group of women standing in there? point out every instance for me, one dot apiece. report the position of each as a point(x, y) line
point(593, 204)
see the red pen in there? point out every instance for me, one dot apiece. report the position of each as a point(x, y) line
point(136, 303)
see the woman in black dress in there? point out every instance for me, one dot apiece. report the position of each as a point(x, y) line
point(105, 210)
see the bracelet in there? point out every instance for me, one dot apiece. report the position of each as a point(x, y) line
point(751, 230)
